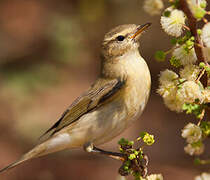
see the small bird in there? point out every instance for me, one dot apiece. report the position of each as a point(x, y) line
point(110, 105)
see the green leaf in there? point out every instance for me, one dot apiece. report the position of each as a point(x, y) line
point(175, 62)
point(206, 67)
point(173, 41)
point(132, 156)
point(130, 143)
point(190, 42)
point(197, 144)
point(202, 65)
point(205, 127)
point(181, 80)
point(127, 163)
point(121, 150)
point(167, 13)
point(126, 168)
point(142, 134)
point(203, 4)
point(136, 152)
point(137, 175)
point(123, 142)
point(195, 109)
point(207, 70)
point(197, 161)
point(160, 56)
point(185, 38)
point(188, 34)
point(199, 13)
point(174, 3)
point(199, 31)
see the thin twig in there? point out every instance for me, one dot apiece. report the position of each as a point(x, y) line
point(186, 27)
point(205, 20)
point(200, 75)
point(183, 5)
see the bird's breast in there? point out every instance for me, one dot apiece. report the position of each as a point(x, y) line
point(124, 110)
point(137, 88)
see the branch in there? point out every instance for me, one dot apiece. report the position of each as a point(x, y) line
point(198, 45)
point(183, 5)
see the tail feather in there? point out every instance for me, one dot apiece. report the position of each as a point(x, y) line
point(54, 144)
point(35, 152)
point(12, 165)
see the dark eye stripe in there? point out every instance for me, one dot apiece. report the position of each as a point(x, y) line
point(120, 38)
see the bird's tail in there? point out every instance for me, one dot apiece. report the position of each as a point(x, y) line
point(12, 165)
point(55, 143)
point(37, 151)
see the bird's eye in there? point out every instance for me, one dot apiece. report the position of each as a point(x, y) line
point(120, 38)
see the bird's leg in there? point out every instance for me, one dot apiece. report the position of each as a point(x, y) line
point(137, 165)
point(89, 147)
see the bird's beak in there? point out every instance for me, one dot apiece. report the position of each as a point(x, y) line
point(139, 30)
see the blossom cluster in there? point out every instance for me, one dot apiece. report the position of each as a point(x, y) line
point(193, 135)
point(149, 177)
point(154, 177)
point(153, 7)
point(181, 89)
point(184, 88)
point(203, 176)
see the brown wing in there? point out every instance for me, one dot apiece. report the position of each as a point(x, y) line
point(102, 90)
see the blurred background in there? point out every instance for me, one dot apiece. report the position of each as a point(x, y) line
point(49, 54)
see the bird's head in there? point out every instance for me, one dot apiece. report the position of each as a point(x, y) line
point(122, 39)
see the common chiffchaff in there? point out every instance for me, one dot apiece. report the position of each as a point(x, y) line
point(110, 105)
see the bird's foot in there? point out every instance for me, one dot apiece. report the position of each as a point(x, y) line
point(89, 147)
point(138, 164)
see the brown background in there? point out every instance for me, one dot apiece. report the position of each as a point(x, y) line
point(49, 54)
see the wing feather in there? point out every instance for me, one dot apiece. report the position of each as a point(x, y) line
point(102, 90)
